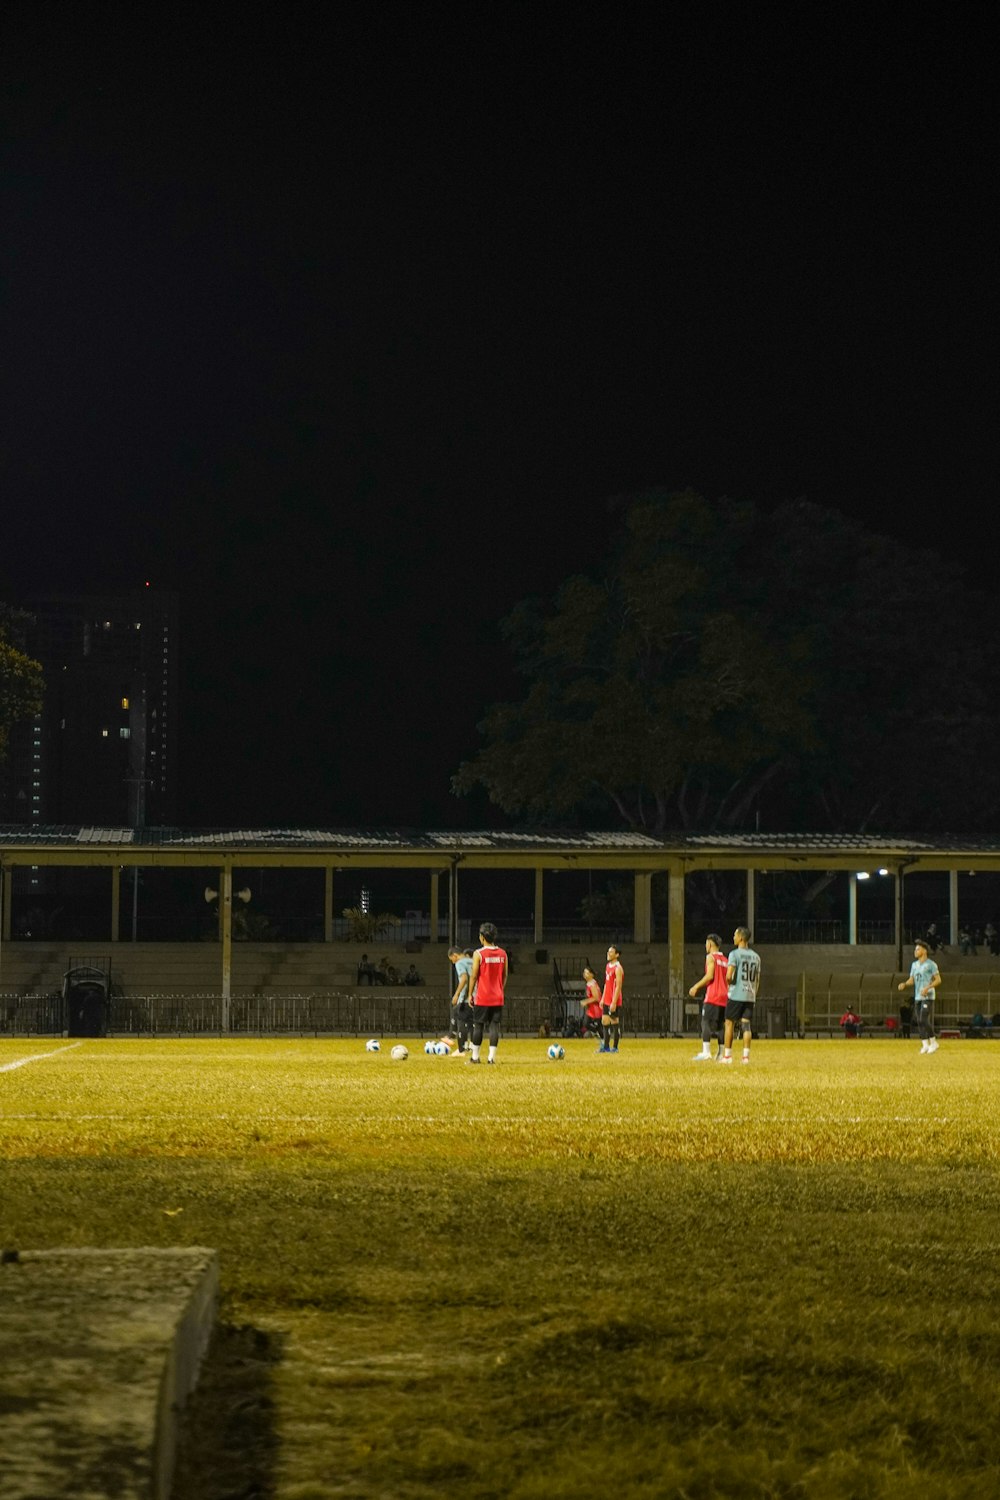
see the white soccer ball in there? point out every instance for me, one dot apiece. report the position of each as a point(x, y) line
point(442, 1049)
point(430, 1048)
point(399, 1053)
point(556, 1051)
point(373, 1045)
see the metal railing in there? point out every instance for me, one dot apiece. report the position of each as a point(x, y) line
point(367, 1012)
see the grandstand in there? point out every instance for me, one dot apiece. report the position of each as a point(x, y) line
point(805, 987)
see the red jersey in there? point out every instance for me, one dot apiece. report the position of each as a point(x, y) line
point(718, 990)
point(610, 973)
point(492, 972)
point(593, 998)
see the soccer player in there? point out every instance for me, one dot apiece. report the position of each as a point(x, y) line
point(925, 976)
point(611, 1001)
point(461, 1000)
point(713, 1010)
point(487, 980)
point(592, 1004)
point(743, 977)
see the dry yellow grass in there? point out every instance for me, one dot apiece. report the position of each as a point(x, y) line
point(631, 1276)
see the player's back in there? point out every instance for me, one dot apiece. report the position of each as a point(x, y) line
point(492, 974)
point(718, 986)
point(745, 963)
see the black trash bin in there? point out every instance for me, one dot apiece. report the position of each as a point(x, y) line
point(85, 992)
point(774, 1015)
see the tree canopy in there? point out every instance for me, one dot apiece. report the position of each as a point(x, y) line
point(724, 666)
point(21, 683)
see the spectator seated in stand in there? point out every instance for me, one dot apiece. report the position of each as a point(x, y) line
point(367, 972)
point(851, 1022)
point(934, 940)
point(978, 1025)
point(966, 943)
point(412, 977)
point(387, 973)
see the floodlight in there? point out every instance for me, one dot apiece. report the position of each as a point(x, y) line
point(244, 895)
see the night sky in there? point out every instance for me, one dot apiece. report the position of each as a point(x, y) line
point(350, 334)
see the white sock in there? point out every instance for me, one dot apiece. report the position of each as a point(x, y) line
point(475, 1052)
point(492, 1053)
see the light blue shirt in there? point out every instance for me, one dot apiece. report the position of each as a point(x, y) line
point(743, 986)
point(922, 972)
point(463, 966)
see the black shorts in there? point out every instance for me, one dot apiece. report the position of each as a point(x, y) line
point(486, 1015)
point(739, 1010)
point(606, 1010)
point(714, 1015)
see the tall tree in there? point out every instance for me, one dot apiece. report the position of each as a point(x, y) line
point(723, 664)
point(21, 684)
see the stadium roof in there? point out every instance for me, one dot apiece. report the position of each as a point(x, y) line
point(347, 842)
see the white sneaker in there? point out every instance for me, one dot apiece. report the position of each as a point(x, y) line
point(702, 1057)
point(725, 1059)
point(744, 1058)
point(924, 1047)
point(933, 1044)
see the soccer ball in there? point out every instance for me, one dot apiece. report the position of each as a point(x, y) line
point(373, 1045)
point(556, 1051)
point(399, 1053)
point(442, 1049)
point(430, 1048)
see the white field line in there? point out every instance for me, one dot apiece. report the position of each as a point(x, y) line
point(22, 1062)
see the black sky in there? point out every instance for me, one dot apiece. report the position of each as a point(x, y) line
point(347, 328)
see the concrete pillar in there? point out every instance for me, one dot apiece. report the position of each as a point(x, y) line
point(539, 925)
point(675, 939)
point(751, 921)
point(226, 913)
point(4, 926)
point(642, 918)
point(116, 900)
point(435, 914)
point(328, 904)
point(7, 883)
point(953, 908)
point(852, 909)
point(453, 905)
point(898, 918)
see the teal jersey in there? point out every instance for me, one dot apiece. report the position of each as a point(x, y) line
point(922, 974)
point(743, 986)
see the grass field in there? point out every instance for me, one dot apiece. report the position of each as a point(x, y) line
point(629, 1276)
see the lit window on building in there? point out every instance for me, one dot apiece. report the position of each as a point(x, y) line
point(125, 733)
point(124, 703)
point(104, 734)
